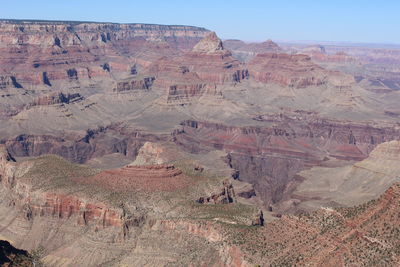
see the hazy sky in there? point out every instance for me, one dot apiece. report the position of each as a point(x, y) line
point(376, 21)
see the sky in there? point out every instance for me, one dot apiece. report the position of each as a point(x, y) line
point(364, 21)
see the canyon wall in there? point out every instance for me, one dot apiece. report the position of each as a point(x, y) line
point(269, 157)
point(40, 52)
point(80, 148)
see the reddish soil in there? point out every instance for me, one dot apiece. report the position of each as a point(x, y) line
point(145, 178)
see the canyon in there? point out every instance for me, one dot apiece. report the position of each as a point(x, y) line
point(156, 145)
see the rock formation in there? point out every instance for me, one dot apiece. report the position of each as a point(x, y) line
point(209, 44)
point(151, 154)
point(143, 84)
point(145, 178)
point(258, 219)
point(246, 51)
point(297, 71)
point(245, 129)
point(225, 196)
point(56, 98)
point(77, 49)
point(198, 72)
point(97, 205)
point(269, 157)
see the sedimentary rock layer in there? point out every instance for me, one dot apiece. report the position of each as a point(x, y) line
point(296, 71)
point(39, 52)
point(270, 157)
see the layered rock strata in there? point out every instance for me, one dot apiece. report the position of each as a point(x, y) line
point(297, 71)
point(198, 72)
point(269, 157)
point(40, 53)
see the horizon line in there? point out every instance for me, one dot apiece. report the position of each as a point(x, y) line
point(290, 41)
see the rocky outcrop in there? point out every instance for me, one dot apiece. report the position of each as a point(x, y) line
point(225, 196)
point(135, 84)
point(39, 203)
point(7, 168)
point(56, 98)
point(183, 93)
point(198, 72)
point(151, 154)
point(85, 212)
point(297, 71)
point(220, 67)
point(258, 219)
point(209, 44)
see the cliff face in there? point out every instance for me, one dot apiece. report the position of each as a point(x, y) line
point(78, 50)
point(135, 84)
point(53, 33)
point(126, 209)
point(198, 72)
point(234, 136)
point(33, 195)
point(296, 71)
point(270, 157)
point(82, 147)
point(39, 203)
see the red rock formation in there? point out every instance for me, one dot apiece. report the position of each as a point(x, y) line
point(67, 206)
point(212, 63)
point(296, 71)
point(144, 178)
point(199, 71)
point(54, 204)
point(39, 53)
